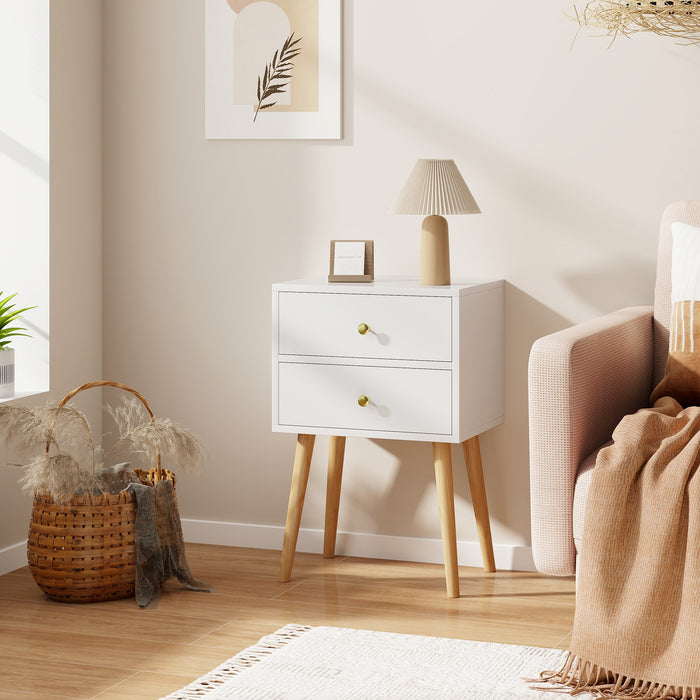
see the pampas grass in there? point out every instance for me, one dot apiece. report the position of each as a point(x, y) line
point(70, 465)
point(678, 19)
point(59, 475)
point(22, 427)
point(26, 429)
point(69, 431)
point(177, 447)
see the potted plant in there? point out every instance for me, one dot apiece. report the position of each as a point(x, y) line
point(8, 317)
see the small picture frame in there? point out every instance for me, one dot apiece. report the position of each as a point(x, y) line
point(351, 261)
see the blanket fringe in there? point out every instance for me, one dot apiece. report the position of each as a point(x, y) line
point(240, 662)
point(581, 676)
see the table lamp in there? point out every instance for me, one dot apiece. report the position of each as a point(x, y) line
point(435, 188)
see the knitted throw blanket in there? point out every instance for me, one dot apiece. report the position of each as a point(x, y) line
point(160, 549)
point(637, 625)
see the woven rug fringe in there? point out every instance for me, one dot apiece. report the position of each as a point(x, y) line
point(581, 676)
point(240, 662)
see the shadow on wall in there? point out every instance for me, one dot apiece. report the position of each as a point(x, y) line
point(630, 282)
point(504, 449)
point(24, 156)
point(528, 190)
point(394, 511)
point(16, 507)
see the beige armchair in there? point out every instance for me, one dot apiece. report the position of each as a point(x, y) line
point(582, 381)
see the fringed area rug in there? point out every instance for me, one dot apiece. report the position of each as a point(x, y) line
point(332, 662)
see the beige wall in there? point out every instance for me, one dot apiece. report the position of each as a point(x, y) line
point(571, 154)
point(75, 225)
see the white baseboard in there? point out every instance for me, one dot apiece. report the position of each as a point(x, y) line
point(354, 544)
point(13, 557)
point(508, 557)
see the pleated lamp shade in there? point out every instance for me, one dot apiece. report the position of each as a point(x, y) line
point(435, 187)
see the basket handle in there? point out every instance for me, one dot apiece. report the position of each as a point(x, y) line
point(116, 385)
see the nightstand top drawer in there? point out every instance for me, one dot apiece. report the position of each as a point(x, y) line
point(364, 326)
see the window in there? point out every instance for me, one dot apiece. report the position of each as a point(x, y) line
point(24, 180)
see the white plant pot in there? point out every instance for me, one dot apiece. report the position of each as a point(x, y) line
point(7, 373)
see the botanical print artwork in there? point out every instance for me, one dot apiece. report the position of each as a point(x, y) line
point(262, 29)
point(272, 68)
point(277, 75)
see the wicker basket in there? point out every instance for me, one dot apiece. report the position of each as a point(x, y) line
point(83, 551)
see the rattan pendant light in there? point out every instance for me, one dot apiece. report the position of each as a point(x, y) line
point(678, 19)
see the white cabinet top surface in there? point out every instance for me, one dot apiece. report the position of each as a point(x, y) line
point(390, 285)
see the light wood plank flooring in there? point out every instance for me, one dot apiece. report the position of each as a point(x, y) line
point(115, 651)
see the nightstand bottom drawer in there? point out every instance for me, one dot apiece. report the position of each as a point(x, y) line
point(400, 400)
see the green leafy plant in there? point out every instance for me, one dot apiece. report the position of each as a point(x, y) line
point(277, 74)
point(8, 316)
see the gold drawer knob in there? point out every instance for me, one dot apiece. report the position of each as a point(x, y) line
point(363, 400)
point(363, 329)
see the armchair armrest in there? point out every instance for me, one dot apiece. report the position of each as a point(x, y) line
point(581, 382)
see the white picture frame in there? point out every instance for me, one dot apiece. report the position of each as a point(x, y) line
point(240, 50)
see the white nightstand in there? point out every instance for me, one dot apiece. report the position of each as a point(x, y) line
point(390, 360)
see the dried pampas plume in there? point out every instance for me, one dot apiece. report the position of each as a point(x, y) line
point(27, 429)
point(68, 464)
point(679, 19)
point(177, 447)
point(22, 427)
point(68, 429)
point(58, 475)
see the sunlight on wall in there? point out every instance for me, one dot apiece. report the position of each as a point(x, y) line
point(24, 180)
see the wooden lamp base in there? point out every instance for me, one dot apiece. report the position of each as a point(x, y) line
point(434, 252)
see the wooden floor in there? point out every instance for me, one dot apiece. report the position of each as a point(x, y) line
point(117, 651)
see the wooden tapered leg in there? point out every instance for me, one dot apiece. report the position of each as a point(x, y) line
point(472, 457)
point(336, 454)
point(300, 477)
point(445, 490)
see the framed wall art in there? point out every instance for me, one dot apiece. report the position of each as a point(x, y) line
point(273, 69)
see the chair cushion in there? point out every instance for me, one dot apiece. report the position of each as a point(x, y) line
point(682, 373)
point(688, 212)
point(583, 483)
